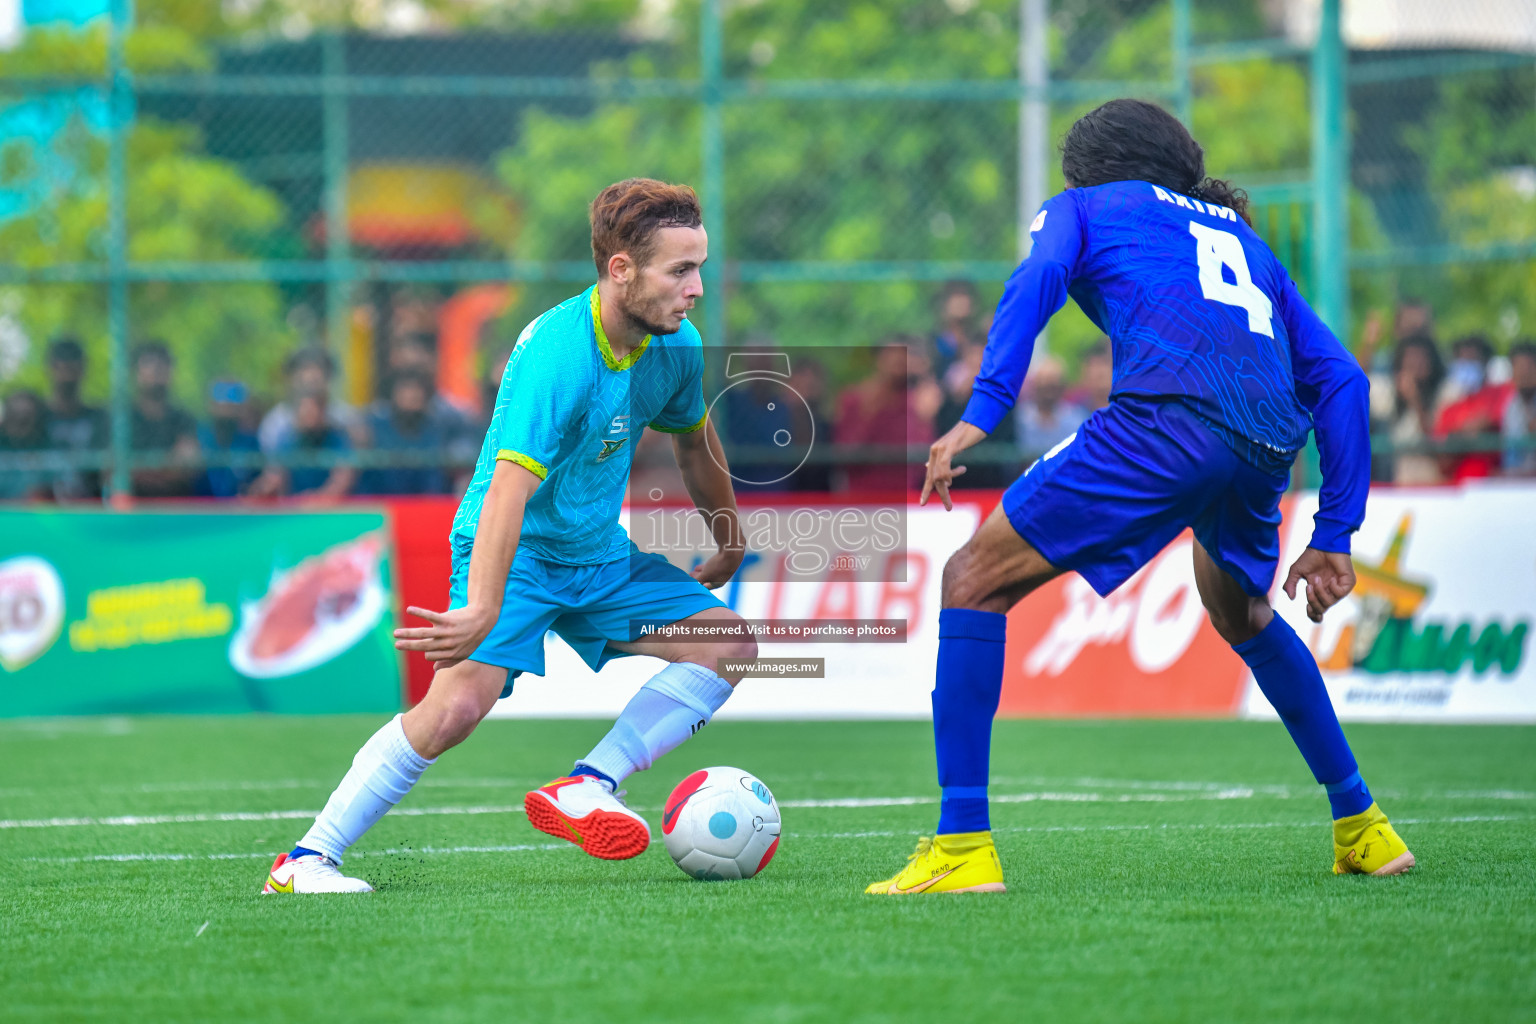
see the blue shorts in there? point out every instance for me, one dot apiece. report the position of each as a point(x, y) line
point(585, 605)
point(1106, 500)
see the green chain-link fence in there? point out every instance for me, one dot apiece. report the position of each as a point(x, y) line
point(241, 181)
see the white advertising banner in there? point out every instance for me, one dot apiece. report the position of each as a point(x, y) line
point(862, 680)
point(1439, 626)
point(1439, 629)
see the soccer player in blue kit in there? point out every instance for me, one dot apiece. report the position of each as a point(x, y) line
point(537, 546)
point(1220, 370)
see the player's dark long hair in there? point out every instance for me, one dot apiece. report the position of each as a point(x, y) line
point(1129, 140)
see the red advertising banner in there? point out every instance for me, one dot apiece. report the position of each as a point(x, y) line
point(1148, 649)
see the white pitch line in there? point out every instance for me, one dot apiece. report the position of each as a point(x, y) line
point(397, 852)
point(191, 819)
point(203, 928)
point(844, 802)
point(1027, 798)
point(1234, 793)
point(531, 847)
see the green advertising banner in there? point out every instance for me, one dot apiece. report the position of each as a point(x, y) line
point(110, 612)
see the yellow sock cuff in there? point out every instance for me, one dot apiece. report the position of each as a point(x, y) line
point(961, 842)
point(1347, 831)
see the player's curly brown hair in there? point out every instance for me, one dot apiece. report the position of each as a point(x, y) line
point(626, 215)
point(1132, 140)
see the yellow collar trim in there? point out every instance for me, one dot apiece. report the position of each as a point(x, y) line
point(606, 349)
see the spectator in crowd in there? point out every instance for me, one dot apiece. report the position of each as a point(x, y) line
point(959, 382)
point(1467, 373)
point(1403, 403)
point(459, 435)
point(1046, 418)
point(808, 378)
point(304, 372)
point(753, 410)
point(314, 431)
point(1519, 414)
point(1095, 380)
point(1411, 318)
point(72, 425)
point(405, 422)
point(22, 431)
point(957, 325)
point(228, 430)
point(893, 408)
point(490, 385)
point(158, 426)
point(411, 352)
point(1473, 408)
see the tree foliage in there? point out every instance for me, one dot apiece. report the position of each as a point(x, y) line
point(181, 206)
point(853, 179)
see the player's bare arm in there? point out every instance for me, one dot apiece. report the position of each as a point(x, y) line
point(941, 454)
point(453, 635)
point(702, 461)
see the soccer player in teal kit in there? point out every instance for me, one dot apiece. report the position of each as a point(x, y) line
point(537, 545)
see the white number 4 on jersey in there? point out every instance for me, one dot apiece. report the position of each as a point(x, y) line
point(1215, 249)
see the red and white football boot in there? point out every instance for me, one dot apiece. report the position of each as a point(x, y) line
point(581, 810)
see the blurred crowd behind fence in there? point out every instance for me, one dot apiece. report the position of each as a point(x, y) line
point(268, 247)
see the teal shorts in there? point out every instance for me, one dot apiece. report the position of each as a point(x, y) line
point(585, 605)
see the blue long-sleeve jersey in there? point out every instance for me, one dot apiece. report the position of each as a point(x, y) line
point(1198, 310)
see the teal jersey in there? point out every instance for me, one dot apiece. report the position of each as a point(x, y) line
point(570, 412)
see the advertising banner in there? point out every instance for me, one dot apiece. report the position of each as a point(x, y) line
point(1146, 649)
point(104, 612)
point(1439, 626)
point(1439, 629)
point(857, 678)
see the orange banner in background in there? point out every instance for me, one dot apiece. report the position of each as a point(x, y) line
point(1147, 649)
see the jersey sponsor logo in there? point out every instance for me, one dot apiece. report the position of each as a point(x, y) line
point(610, 448)
point(1039, 222)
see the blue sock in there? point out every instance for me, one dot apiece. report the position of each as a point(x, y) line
point(586, 769)
point(968, 685)
point(1287, 673)
point(303, 851)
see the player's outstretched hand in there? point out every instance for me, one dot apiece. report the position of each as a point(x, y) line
point(1329, 575)
point(717, 571)
point(941, 456)
point(940, 473)
point(452, 637)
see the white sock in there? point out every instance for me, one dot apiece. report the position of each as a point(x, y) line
point(673, 705)
point(381, 774)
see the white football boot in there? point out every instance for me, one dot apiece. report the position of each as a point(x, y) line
point(317, 873)
point(581, 810)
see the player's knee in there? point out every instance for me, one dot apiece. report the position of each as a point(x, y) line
point(457, 717)
point(716, 656)
point(959, 587)
point(744, 649)
point(1238, 623)
point(953, 580)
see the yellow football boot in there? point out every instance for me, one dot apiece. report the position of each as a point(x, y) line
point(1366, 844)
point(961, 862)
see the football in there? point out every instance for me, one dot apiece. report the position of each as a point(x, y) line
point(721, 824)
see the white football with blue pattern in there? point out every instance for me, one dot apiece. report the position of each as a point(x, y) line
point(721, 824)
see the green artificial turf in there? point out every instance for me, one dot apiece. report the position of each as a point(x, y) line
point(1157, 871)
